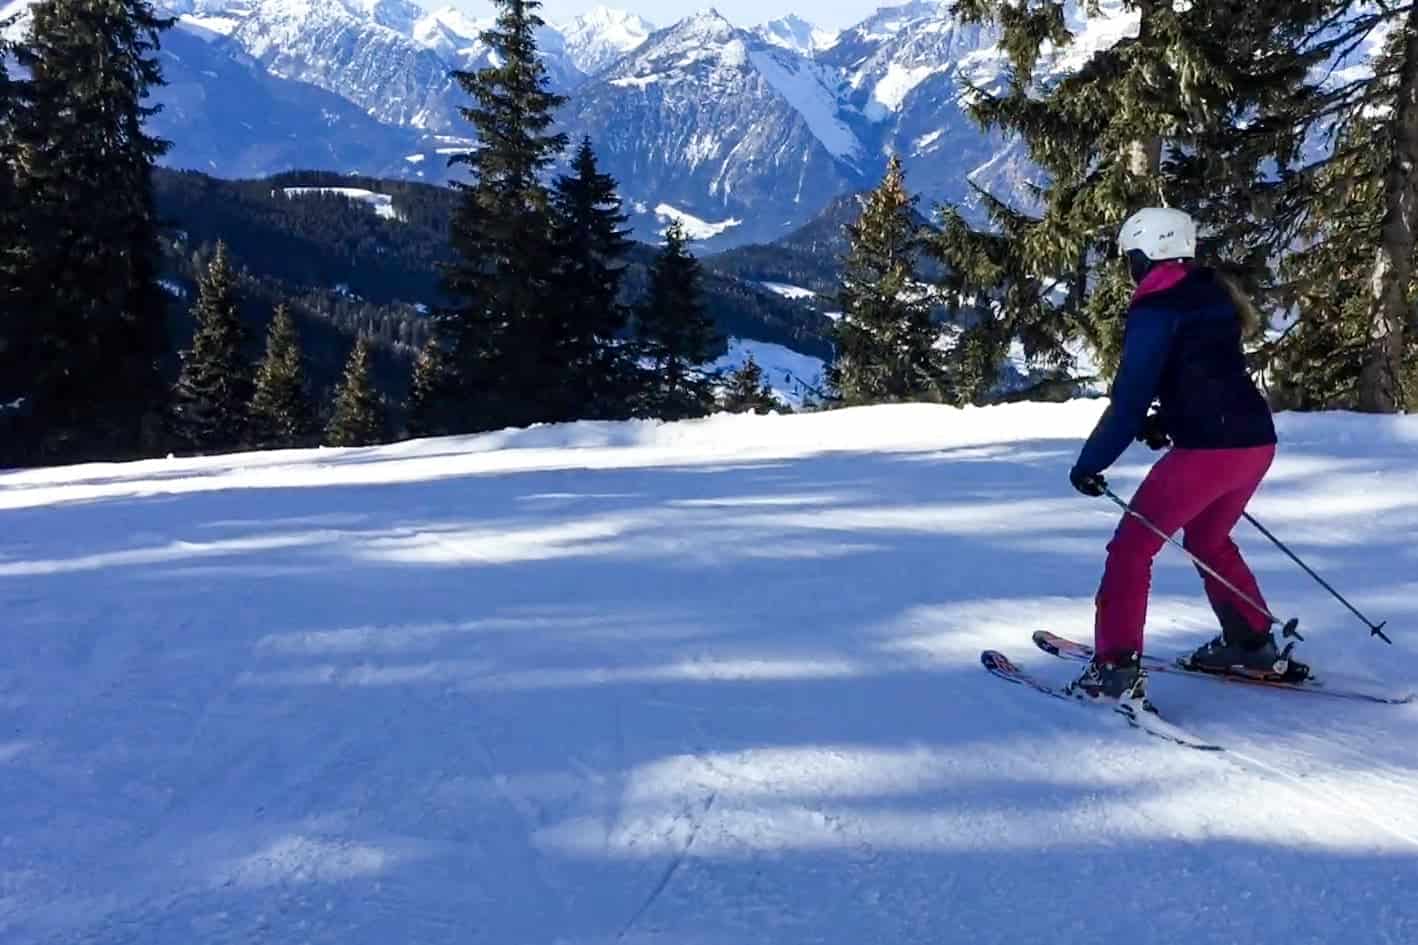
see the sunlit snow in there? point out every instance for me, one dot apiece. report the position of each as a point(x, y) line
point(694, 227)
point(707, 682)
point(382, 204)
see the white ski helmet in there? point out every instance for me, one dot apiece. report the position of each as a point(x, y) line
point(1159, 233)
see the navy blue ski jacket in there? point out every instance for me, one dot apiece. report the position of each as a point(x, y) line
point(1182, 347)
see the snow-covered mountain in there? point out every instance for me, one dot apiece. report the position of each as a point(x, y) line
point(227, 115)
point(905, 72)
point(596, 39)
point(755, 132)
point(364, 53)
point(795, 33)
point(713, 121)
point(390, 57)
point(742, 134)
point(449, 31)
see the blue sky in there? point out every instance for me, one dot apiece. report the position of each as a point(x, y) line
point(827, 13)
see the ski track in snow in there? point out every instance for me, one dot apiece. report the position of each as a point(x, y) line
point(712, 682)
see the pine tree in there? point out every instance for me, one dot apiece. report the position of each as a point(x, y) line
point(1189, 113)
point(9, 103)
point(430, 393)
point(591, 242)
point(9, 220)
point(501, 331)
point(886, 339)
point(15, 369)
point(1356, 338)
point(748, 391)
point(282, 415)
point(358, 417)
point(212, 398)
point(676, 334)
point(97, 316)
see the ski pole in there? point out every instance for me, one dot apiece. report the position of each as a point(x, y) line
point(1290, 629)
point(1375, 629)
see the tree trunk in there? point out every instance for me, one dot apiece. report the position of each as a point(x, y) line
point(1144, 156)
point(1380, 388)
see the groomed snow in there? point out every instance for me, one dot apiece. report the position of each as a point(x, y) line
point(383, 204)
point(714, 682)
point(706, 683)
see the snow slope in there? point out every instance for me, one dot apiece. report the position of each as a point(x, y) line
point(711, 683)
point(796, 34)
point(789, 291)
point(599, 37)
point(694, 228)
point(793, 377)
point(812, 92)
point(381, 204)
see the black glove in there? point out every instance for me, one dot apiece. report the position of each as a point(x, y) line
point(1153, 433)
point(1092, 485)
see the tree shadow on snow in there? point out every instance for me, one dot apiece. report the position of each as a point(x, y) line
point(728, 702)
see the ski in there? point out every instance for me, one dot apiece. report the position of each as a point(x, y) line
point(1082, 653)
point(1145, 719)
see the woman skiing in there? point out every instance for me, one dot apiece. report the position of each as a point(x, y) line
point(1182, 348)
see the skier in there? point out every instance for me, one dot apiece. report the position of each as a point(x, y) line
point(1182, 348)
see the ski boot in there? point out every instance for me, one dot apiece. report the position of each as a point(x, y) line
point(1241, 651)
point(1121, 680)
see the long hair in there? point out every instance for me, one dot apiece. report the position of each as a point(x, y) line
point(1246, 310)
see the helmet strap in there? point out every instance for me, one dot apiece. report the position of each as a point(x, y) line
point(1139, 265)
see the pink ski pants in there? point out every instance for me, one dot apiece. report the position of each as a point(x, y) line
point(1204, 492)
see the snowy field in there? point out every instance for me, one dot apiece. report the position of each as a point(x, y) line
point(794, 378)
point(714, 683)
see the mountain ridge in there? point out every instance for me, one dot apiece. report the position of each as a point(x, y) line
point(745, 133)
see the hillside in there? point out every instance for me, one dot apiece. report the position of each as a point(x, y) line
point(314, 240)
point(811, 256)
point(713, 682)
point(750, 131)
point(355, 265)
